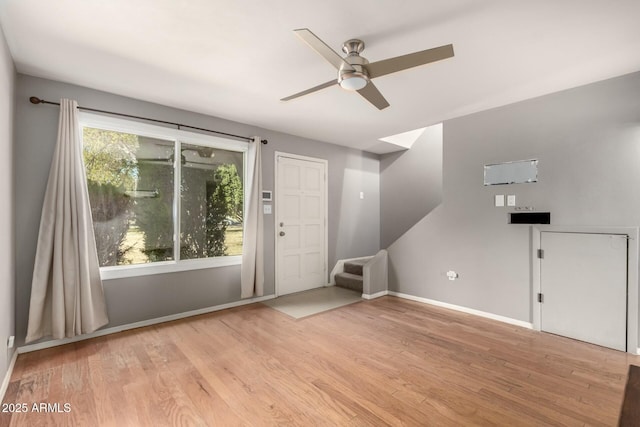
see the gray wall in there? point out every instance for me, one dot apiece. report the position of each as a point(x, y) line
point(587, 141)
point(420, 193)
point(354, 224)
point(7, 278)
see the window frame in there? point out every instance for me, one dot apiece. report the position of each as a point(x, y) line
point(179, 137)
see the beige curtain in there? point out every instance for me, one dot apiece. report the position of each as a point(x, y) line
point(67, 298)
point(252, 272)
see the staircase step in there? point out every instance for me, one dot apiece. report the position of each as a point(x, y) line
point(355, 267)
point(349, 281)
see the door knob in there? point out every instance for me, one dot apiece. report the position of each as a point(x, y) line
point(282, 233)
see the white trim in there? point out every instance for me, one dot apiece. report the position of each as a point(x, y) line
point(633, 234)
point(638, 351)
point(176, 204)
point(300, 157)
point(141, 324)
point(134, 270)
point(177, 137)
point(491, 316)
point(376, 295)
point(325, 163)
point(536, 310)
point(7, 376)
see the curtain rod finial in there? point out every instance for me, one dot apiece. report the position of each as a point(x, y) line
point(35, 100)
point(264, 141)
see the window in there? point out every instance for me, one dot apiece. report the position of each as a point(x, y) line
point(154, 214)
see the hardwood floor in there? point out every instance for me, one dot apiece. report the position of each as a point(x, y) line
point(382, 362)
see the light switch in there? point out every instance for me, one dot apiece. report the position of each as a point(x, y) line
point(511, 200)
point(266, 209)
point(362, 195)
point(499, 199)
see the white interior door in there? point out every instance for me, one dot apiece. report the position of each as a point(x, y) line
point(301, 223)
point(583, 281)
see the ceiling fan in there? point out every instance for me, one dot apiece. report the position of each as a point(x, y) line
point(355, 72)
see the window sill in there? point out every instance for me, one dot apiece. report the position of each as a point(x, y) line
point(124, 271)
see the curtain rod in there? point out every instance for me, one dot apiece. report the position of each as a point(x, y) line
point(36, 100)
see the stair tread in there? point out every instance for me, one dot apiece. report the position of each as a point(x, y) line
point(350, 276)
point(355, 266)
point(357, 261)
point(350, 281)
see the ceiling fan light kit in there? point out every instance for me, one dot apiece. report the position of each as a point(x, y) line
point(355, 72)
point(354, 77)
point(352, 81)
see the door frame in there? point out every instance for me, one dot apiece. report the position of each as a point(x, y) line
point(632, 273)
point(276, 177)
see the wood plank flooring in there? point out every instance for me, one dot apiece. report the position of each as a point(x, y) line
point(382, 362)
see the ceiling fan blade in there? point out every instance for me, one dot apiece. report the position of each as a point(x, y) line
point(399, 63)
point(321, 47)
point(371, 93)
point(313, 89)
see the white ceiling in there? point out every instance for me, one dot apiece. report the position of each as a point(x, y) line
point(236, 59)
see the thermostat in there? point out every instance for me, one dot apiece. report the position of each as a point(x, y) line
point(267, 196)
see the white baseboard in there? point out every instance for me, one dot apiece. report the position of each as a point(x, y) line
point(376, 295)
point(143, 323)
point(7, 376)
point(492, 316)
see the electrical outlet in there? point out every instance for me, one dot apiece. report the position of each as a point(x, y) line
point(452, 275)
point(10, 341)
